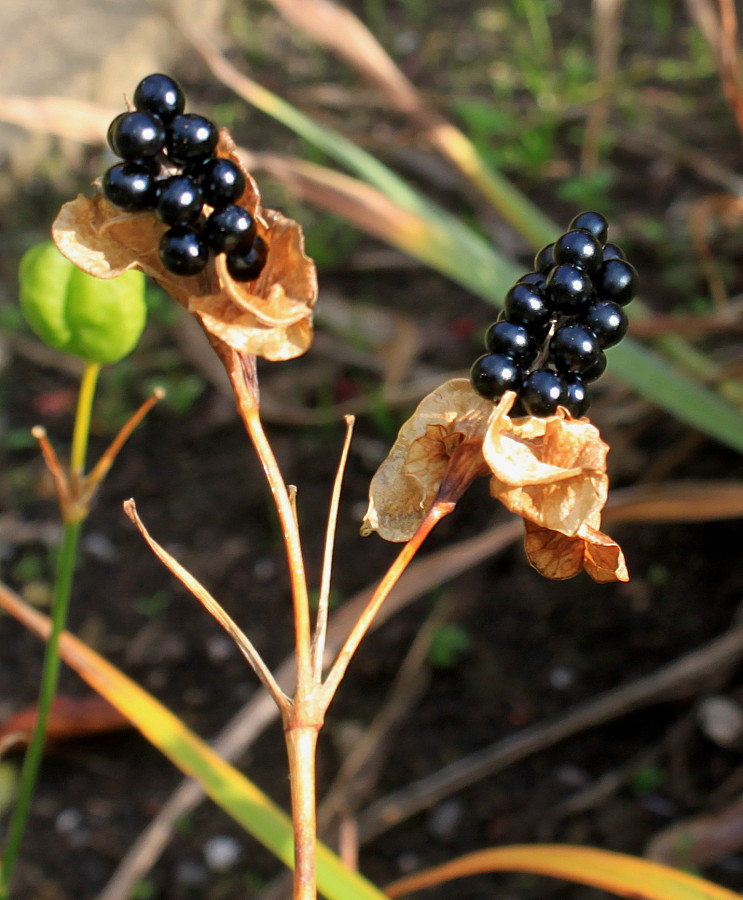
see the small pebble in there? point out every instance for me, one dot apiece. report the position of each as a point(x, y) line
point(444, 820)
point(68, 820)
point(222, 852)
point(721, 720)
point(562, 677)
point(191, 873)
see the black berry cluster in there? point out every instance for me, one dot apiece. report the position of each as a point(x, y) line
point(169, 165)
point(548, 343)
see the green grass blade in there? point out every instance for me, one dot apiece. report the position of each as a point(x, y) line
point(453, 248)
point(228, 787)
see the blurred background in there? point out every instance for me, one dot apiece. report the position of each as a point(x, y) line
point(629, 108)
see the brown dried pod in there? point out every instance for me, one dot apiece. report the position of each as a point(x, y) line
point(269, 317)
point(551, 472)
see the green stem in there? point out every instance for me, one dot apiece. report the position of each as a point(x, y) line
point(82, 418)
point(49, 679)
point(60, 605)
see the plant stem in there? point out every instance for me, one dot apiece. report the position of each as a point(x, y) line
point(49, 679)
point(82, 419)
point(391, 577)
point(60, 605)
point(301, 744)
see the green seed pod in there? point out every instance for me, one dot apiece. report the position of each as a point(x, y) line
point(99, 320)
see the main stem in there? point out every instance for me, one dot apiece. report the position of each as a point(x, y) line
point(47, 691)
point(301, 745)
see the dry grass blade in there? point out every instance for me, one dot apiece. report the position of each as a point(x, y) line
point(73, 119)
point(340, 31)
point(719, 25)
point(606, 32)
point(713, 659)
point(365, 206)
point(421, 576)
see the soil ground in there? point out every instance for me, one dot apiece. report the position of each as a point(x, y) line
point(529, 649)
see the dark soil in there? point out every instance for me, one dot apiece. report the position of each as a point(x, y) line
point(534, 647)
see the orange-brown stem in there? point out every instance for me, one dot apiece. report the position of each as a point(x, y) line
point(301, 745)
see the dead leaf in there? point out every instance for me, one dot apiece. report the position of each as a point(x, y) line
point(69, 718)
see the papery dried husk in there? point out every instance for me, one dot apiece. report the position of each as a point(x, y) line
point(405, 485)
point(551, 471)
point(270, 316)
point(555, 555)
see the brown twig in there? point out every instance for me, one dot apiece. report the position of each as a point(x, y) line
point(680, 675)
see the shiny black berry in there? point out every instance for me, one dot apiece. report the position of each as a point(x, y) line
point(160, 95)
point(569, 290)
point(130, 186)
point(573, 348)
point(579, 248)
point(613, 251)
point(607, 321)
point(577, 398)
point(228, 228)
point(594, 223)
point(511, 340)
point(494, 374)
point(221, 181)
point(525, 304)
point(136, 135)
point(616, 280)
point(537, 279)
point(246, 264)
point(179, 200)
point(190, 138)
point(182, 251)
point(596, 370)
point(545, 259)
point(542, 392)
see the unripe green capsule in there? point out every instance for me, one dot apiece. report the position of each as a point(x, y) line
point(99, 320)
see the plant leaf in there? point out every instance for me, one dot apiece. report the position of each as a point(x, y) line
point(618, 873)
point(230, 789)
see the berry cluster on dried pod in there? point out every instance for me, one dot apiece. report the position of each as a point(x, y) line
point(548, 343)
point(170, 166)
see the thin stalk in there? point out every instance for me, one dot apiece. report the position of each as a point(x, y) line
point(82, 420)
point(302, 631)
point(437, 512)
point(323, 603)
point(48, 689)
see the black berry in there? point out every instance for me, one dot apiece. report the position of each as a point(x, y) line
point(594, 223)
point(512, 340)
point(525, 305)
point(545, 259)
point(228, 228)
point(191, 138)
point(179, 200)
point(130, 186)
point(573, 348)
point(614, 251)
point(136, 135)
point(538, 279)
point(577, 398)
point(542, 392)
point(221, 181)
point(569, 290)
point(247, 264)
point(494, 374)
point(616, 280)
point(579, 248)
point(160, 95)
point(182, 251)
point(607, 321)
point(596, 370)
